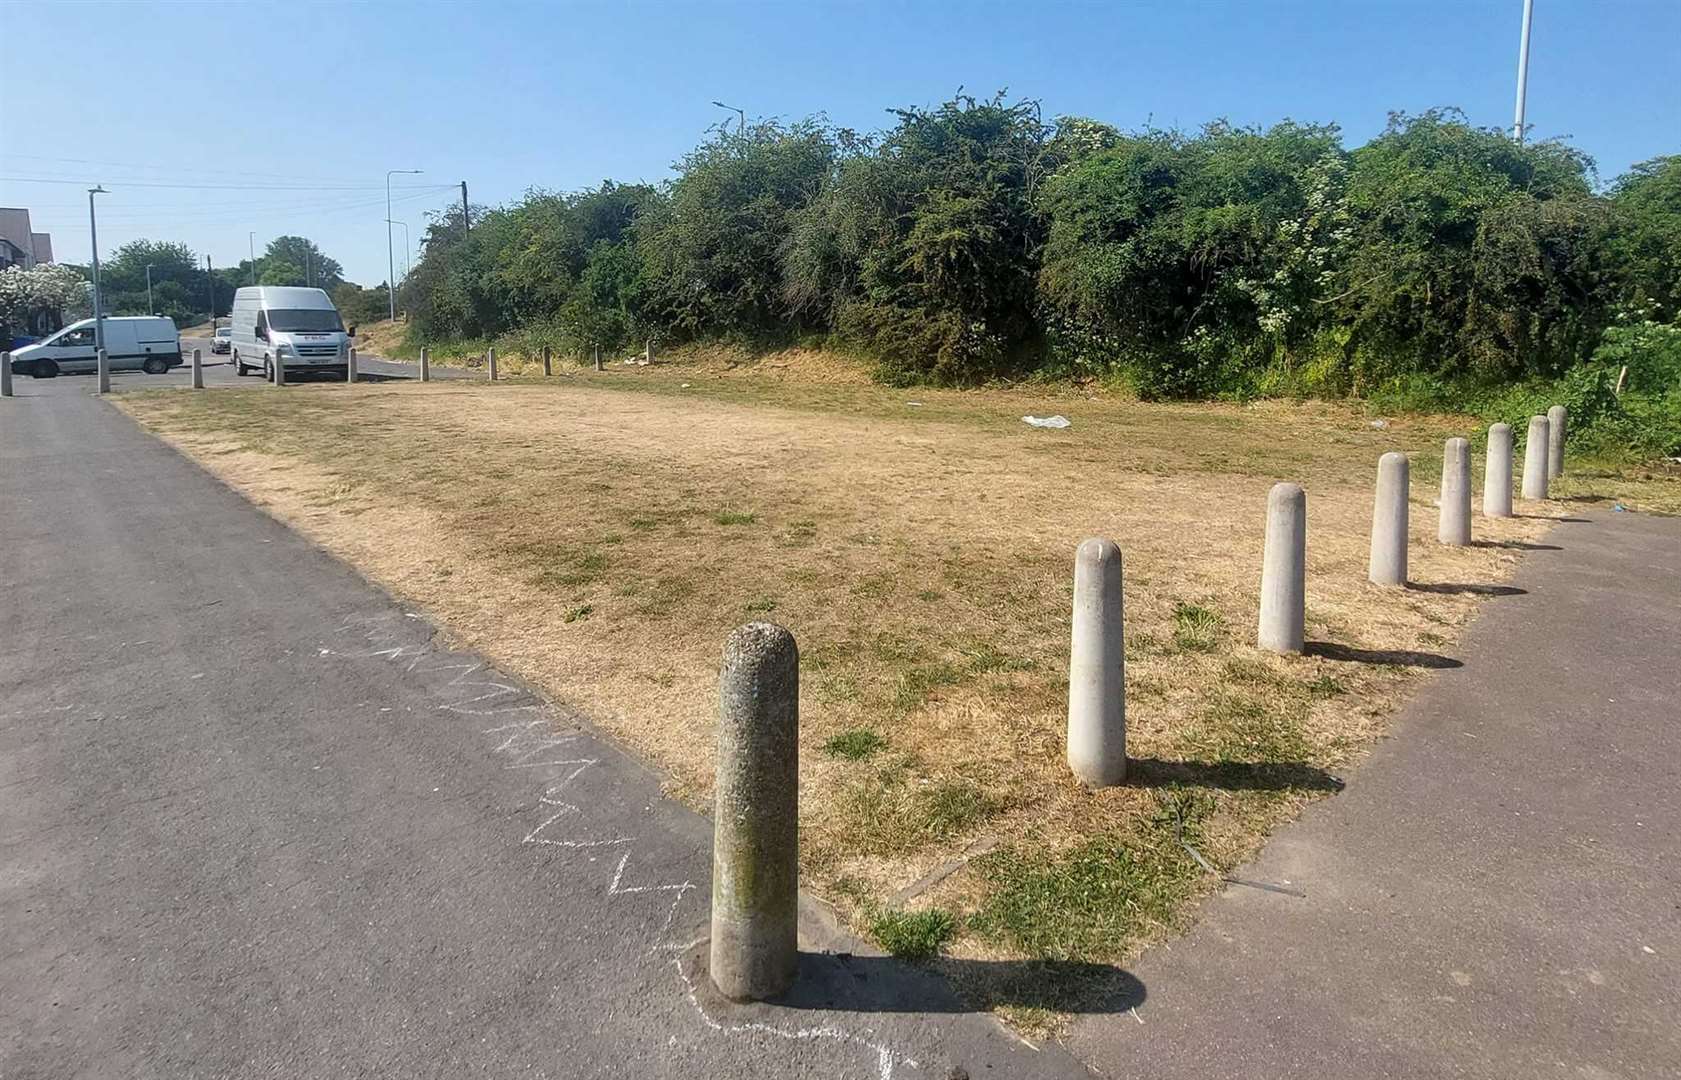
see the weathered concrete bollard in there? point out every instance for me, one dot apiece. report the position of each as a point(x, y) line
point(5, 374)
point(425, 364)
point(279, 371)
point(490, 362)
point(350, 364)
point(548, 361)
point(1284, 571)
point(1556, 423)
point(102, 361)
point(198, 369)
point(755, 845)
point(1497, 472)
point(648, 352)
point(1535, 455)
point(1389, 521)
point(1454, 527)
point(1097, 720)
point(598, 358)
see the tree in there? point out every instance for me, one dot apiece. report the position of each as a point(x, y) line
point(1647, 244)
point(37, 302)
point(298, 261)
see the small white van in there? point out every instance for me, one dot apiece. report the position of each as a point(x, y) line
point(146, 343)
point(298, 327)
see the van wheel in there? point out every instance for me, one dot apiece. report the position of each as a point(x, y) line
point(238, 368)
point(45, 369)
point(155, 365)
point(268, 370)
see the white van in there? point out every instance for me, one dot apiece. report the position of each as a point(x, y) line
point(300, 327)
point(146, 343)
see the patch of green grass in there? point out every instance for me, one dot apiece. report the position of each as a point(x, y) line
point(854, 744)
point(735, 517)
point(1326, 686)
point(582, 611)
point(951, 807)
point(984, 658)
point(928, 596)
point(918, 681)
point(1196, 628)
point(759, 606)
point(913, 935)
point(889, 814)
point(642, 524)
point(1093, 902)
point(1235, 726)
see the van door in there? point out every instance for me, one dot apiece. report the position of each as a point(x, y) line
point(122, 347)
point(72, 350)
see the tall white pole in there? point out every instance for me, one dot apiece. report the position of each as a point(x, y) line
point(98, 304)
point(151, 309)
point(251, 242)
point(390, 253)
point(1523, 70)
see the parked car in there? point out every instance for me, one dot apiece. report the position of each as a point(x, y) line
point(298, 328)
point(222, 340)
point(146, 343)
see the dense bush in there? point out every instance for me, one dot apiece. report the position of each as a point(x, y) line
point(977, 240)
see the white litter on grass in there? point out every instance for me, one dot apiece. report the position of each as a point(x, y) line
point(914, 404)
point(1047, 421)
point(1381, 425)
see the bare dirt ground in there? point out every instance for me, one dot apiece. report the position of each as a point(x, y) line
point(601, 533)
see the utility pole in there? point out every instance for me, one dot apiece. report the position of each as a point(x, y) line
point(150, 308)
point(741, 128)
point(390, 254)
point(98, 305)
point(210, 276)
point(1523, 70)
point(309, 267)
point(466, 219)
point(251, 241)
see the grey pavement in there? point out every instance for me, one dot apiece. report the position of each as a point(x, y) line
point(258, 820)
point(1497, 893)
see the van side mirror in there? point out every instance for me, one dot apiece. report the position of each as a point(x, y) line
point(262, 333)
point(352, 330)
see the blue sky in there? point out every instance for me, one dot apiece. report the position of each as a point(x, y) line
point(288, 115)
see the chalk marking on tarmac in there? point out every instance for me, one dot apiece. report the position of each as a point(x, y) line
point(528, 740)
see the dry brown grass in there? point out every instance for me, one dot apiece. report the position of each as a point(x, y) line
point(601, 543)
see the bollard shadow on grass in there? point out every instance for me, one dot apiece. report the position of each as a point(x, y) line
point(1515, 545)
point(1231, 775)
point(1449, 588)
point(844, 982)
point(1552, 517)
point(1329, 650)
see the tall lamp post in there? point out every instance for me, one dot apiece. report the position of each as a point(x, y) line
point(251, 241)
point(151, 309)
point(1523, 69)
point(98, 302)
point(742, 113)
point(408, 247)
point(390, 255)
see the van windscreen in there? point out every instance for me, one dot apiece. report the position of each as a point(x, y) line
point(305, 321)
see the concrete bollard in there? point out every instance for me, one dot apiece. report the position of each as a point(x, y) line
point(350, 364)
point(5, 374)
point(1556, 424)
point(425, 364)
point(1284, 571)
point(648, 353)
point(1454, 527)
point(548, 361)
point(279, 371)
point(755, 846)
point(490, 362)
point(1097, 721)
point(598, 358)
point(1389, 522)
point(1497, 472)
point(1535, 453)
point(102, 362)
point(198, 369)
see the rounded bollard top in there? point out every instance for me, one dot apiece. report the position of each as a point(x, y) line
point(1097, 551)
point(757, 644)
point(1556, 410)
point(1285, 493)
point(1507, 428)
point(1458, 442)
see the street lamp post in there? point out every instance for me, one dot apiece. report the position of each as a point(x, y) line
point(151, 309)
point(739, 112)
point(210, 279)
point(390, 255)
point(98, 304)
point(408, 247)
point(251, 242)
point(1523, 70)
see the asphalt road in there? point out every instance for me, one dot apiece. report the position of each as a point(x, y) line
point(257, 820)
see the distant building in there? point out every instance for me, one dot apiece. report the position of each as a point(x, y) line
point(19, 244)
